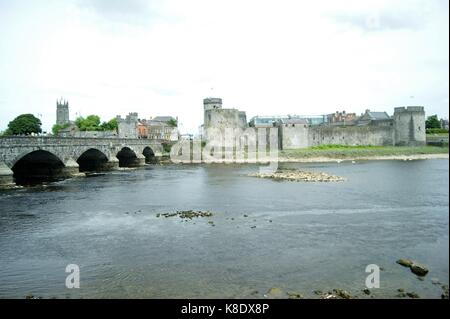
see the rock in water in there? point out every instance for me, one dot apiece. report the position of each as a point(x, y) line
point(295, 295)
point(295, 175)
point(444, 292)
point(419, 270)
point(416, 268)
point(274, 292)
point(342, 293)
point(412, 295)
point(405, 262)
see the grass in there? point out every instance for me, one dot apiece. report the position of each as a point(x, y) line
point(437, 134)
point(344, 151)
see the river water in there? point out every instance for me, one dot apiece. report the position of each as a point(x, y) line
point(308, 236)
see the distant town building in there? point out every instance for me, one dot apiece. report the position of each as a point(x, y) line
point(142, 129)
point(341, 118)
point(444, 124)
point(163, 128)
point(370, 116)
point(264, 121)
point(293, 120)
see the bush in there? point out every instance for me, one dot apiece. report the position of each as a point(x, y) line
point(167, 147)
point(436, 131)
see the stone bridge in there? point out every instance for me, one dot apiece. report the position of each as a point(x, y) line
point(25, 157)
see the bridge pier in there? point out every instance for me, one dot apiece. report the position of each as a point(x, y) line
point(71, 168)
point(6, 175)
point(111, 164)
point(138, 161)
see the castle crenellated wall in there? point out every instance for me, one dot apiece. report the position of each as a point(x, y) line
point(406, 127)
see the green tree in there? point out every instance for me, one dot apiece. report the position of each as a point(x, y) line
point(58, 127)
point(432, 122)
point(90, 123)
point(111, 125)
point(24, 124)
point(173, 122)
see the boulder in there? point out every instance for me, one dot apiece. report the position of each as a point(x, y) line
point(294, 295)
point(405, 262)
point(342, 293)
point(412, 295)
point(444, 292)
point(274, 292)
point(419, 270)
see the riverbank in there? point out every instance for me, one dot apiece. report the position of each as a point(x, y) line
point(330, 153)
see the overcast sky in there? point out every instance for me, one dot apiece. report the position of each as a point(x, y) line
point(110, 57)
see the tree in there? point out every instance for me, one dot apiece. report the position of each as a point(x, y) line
point(433, 122)
point(90, 123)
point(24, 124)
point(173, 122)
point(111, 125)
point(58, 127)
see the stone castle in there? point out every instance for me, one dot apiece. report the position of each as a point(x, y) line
point(405, 127)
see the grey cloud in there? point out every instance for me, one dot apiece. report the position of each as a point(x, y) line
point(129, 11)
point(413, 15)
point(379, 22)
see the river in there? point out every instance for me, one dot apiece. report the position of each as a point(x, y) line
point(308, 236)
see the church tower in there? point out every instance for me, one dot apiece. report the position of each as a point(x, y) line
point(62, 112)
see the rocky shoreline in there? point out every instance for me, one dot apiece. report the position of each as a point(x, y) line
point(299, 176)
point(288, 159)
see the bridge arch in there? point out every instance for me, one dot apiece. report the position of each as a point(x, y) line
point(128, 157)
point(149, 154)
point(92, 159)
point(37, 166)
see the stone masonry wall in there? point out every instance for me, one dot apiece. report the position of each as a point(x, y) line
point(302, 137)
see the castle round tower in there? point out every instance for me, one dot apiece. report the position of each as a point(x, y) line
point(409, 125)
point(210, 103)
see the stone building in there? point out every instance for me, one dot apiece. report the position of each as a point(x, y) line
point(409, 125)
point(369, 117)
point(62, 112)
point(405, 127)
point(128, 127)
point(217, 119)
point(163, 128)
point(341, 118)
point(158, 128)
